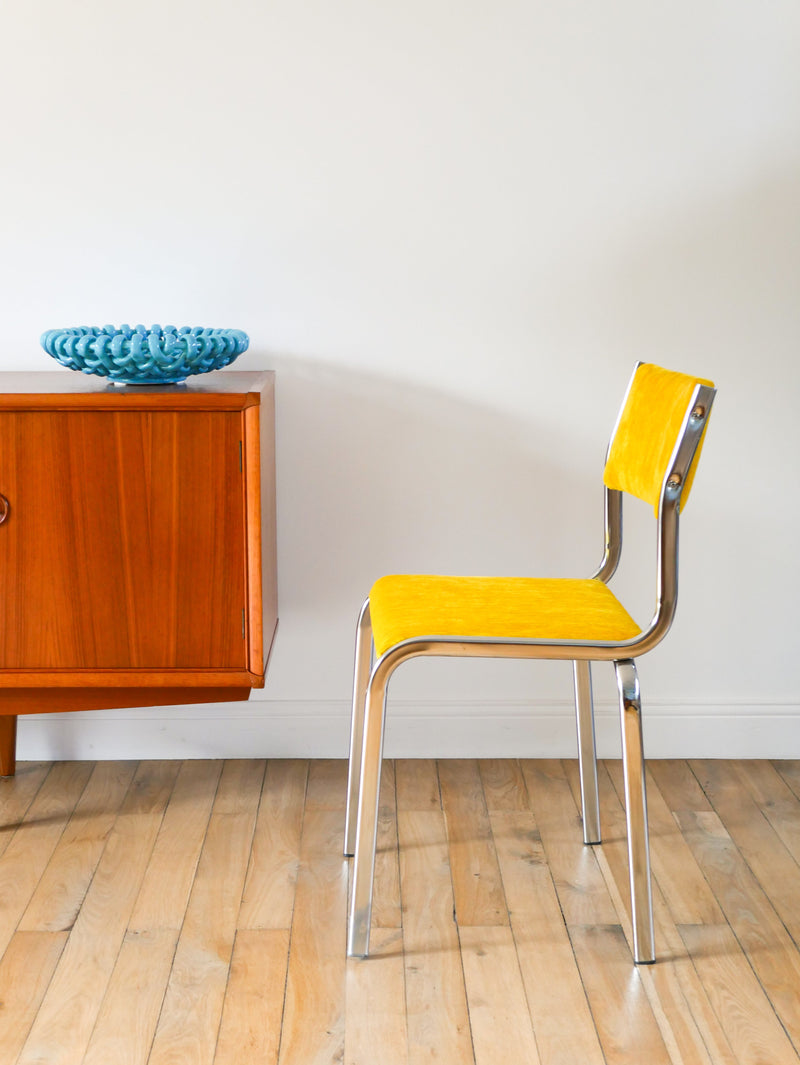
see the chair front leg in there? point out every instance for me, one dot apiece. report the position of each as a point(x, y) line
point(587, 752)
point(367, 823)
point(361, 671)
point(636, 812)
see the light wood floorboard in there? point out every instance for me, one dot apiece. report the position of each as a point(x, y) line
point(162, 913)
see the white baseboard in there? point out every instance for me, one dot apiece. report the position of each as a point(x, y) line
point(267, 729)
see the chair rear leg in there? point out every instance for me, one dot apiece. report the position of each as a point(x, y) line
point(587, 753)
point(361, 671)
point(367, 823)
point(636, 812)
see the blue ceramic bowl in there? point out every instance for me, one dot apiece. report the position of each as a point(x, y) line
point(139, 356)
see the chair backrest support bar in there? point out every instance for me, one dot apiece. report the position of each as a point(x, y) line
point(672, 487)
point(674, 480)
point(612, 505)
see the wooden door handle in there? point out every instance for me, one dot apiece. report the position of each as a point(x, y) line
point(4, 509)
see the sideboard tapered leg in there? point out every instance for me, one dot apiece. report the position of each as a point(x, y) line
point(8, 745)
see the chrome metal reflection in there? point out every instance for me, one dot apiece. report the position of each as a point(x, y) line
point(371, 683)
point(587, 751)
point(361, 671)
point(636, 812)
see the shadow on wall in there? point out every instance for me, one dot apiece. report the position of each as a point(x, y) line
point(715, 290)
point(378, 476)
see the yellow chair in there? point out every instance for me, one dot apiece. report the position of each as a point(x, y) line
point(658, 434)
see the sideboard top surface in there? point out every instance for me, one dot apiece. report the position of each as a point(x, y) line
point(221, 389)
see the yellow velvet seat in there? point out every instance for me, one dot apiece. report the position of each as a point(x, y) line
point(652, 455)
point(413, 606)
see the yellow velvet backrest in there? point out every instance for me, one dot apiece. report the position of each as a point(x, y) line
point(647, 432)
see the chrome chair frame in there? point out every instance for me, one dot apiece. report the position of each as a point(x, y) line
point(371, 681)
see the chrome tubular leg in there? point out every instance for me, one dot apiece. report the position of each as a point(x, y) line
point(361, 672)
point(587, 754)
point(367, 826)
point(636, 812)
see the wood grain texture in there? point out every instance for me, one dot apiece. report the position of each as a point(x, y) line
point(581, 890)
point(260, 502)
point(64, 390)
point(503, 785)
point(269, 890)
point(172, 867)
point(8, 745)
point(16, 795)
point(250, 457)
point(546, 959)
point(62, 888)
point(789, 770)
point(123, 1032)
point(125, 545)
point(682, 882)
point(25, 972)
point(28, 852)
point(417, 785)
point(386, 911)
point(135, 553)
point(250, 1030)
point(375, 1010)
point(692, 1028)
point(756, 840)
point(140, 979)
point(754, 1032)
point(691, 1031)
point(61, 699)
point(268, 539)
point(625, 1023)
point(775, 799)
point(63, 1026)
point(477, 885)
point(762, 935)
point(436, 1002)
point(315, 984)
point(327, 785)
point(498, 1010)
point(190, 1016)
point(162, 682)
point(678, 785)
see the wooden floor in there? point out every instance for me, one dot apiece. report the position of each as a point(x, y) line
point(194, 912)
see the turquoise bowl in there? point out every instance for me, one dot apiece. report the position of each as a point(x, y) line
point(139, 356)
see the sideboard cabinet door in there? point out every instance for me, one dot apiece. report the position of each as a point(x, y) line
point(125, 541)
point(138, 562)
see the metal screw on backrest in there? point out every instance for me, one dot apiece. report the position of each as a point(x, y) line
point(674, 480)
point(699, 412)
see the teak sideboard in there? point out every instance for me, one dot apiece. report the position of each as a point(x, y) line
point(137, 543)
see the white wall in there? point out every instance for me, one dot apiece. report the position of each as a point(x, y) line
point(451, 229)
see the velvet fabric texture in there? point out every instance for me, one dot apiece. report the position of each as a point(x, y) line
point(647, 432)
point(408, 606)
